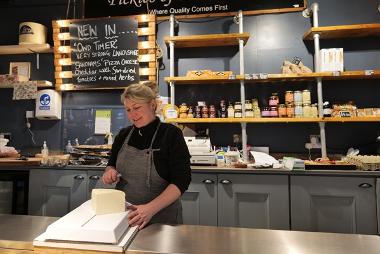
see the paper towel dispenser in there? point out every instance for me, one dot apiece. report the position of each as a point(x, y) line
point(48, 105)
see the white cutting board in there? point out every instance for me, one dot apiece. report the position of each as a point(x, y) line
point(82, 225)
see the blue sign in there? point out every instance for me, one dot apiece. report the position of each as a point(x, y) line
point(45, 101)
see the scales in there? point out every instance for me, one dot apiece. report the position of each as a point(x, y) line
point(200, 150)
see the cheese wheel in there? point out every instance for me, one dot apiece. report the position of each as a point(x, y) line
point(105, 201)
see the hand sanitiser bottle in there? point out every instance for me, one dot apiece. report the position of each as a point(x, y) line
point(45, 153)
point(69, 147)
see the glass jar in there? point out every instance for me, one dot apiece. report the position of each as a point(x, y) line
point(190, 112)
point(289, 97)
point(238, 105)
point(238, 113)
point(273, 100)
point(298, 110)
point(297, 97)
point(212, 111)
point(248, 113)
point(255, 103)
point(273, 112)
point(306, 97)
point(205, 112)
point(230, 111)
point(290, 110)
point(198, 112)
point(256, 112)
point(265, 112)
point(326, 109)
point(306, 110)
point(282, 110)
point(314, 110)
point(248, 104)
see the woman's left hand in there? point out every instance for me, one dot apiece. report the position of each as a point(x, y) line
point(140, 215)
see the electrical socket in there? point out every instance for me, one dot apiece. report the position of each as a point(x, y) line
point(29, 114)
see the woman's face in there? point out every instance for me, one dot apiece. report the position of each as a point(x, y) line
point(140, 113)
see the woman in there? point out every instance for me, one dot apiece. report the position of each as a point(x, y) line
point(149, 161)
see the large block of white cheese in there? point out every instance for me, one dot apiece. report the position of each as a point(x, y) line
point(106, 201)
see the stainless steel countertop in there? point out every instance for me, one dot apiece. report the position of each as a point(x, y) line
point(18, 232)
point(203, 239)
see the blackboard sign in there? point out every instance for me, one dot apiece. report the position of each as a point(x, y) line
point(104, 52)
point(101, 8)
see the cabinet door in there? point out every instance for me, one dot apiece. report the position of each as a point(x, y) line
point(199, 202)
point(333, 204)
point(56, 192)
point(378, 204)
point(253, 201)
point(95, 182)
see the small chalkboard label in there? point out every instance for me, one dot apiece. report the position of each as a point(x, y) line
point(345, 113)
point(104, 52)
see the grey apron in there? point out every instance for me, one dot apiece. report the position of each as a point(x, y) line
point(141, 182)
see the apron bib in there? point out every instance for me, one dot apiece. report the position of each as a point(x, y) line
point(141, 182)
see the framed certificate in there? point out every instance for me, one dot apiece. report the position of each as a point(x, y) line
point(20, 69)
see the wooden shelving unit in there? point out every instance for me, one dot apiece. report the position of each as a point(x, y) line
point(25, 49)
point(39, 83)
point(346, 31)
point(362, 74)
point(207, 40)
point(351, 119)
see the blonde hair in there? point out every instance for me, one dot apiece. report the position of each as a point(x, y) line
point(145, 91)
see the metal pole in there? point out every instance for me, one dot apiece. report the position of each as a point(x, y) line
point(315, 8)
point(172, 70)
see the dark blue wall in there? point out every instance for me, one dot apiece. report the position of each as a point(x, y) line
point(273, 38)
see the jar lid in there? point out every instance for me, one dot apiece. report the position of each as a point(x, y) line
point(288, 91)
point(298, 103)
point(306, 90)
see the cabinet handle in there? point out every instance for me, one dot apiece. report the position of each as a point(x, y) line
point(365, 185)
point(79, 177)
point(225, 181)
point(208, 181)
point(94, 177)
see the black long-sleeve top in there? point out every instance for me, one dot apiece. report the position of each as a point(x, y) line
point(172, 161)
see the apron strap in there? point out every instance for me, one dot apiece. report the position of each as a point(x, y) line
point(150, 159)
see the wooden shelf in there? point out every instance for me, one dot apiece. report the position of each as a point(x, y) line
point(346, 31)
point(40, 84)
point(206, 40)
point(280, 77)
point(244, 120)
point(25, 49)
point(351, 119)
point(274, 120)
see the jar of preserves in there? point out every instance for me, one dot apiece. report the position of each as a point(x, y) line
point(183, 110)
point(297, 97)
point(282, 110)
point(306, 110)
point(290, 110)
point(306, 97)
point(198, 112)
point(205, 112)
point(273, 112)
point(314, 110)
point(190, 112)
point(212, 111)
point(238, 113)
point(289, 97)
point(248, 105)
point(248, 113)
point(298, 109)
point(256, 112)
point(230, 111)
point(238, 105)
point(273, 100)
point(255, 103)
point(265, 112)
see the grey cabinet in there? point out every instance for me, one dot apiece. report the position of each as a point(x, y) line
point(378, 204)
point(56, 192)
point(333, 204)
point(199, 202)
point(253, 201)
point(237, 200)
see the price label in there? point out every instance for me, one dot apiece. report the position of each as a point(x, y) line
point(369, 72)
point(263, 75)
point(336, 73)
point(345, 113)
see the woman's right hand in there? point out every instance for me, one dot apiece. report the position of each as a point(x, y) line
point(110, 175)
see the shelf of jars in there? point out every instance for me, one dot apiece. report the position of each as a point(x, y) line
point(344, 31)
point(25, 49)
point(263, 78)
point(207, 40)
point(274, 120)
